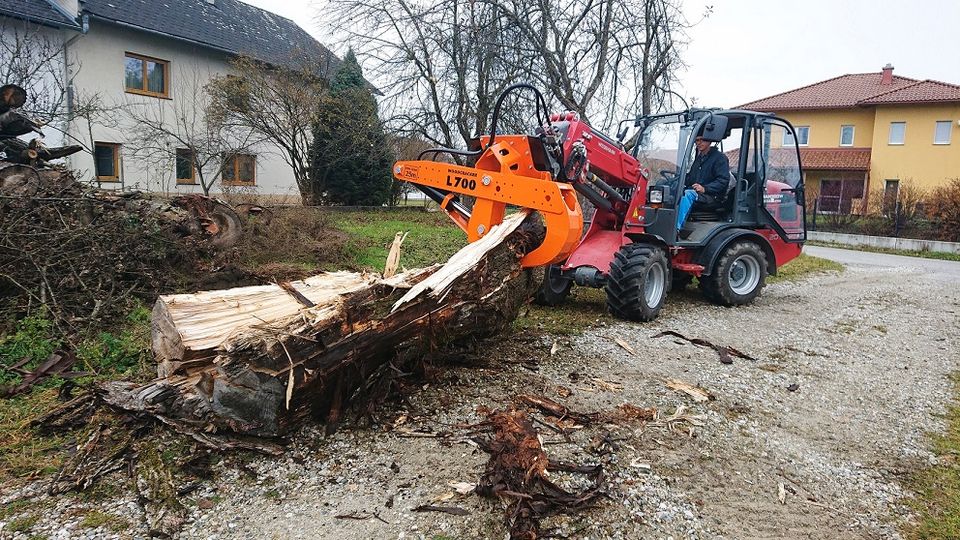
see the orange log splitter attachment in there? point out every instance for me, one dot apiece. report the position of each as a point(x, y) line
point(504, 174)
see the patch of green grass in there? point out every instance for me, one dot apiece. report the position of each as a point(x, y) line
point(23, 524)
point(95, 519)
point(803, 266)
point(22, 451)
point(584, 308)
point(124, 351)
point(13, 507)
point(938, 487)
point(432, 238)
point(890, 251)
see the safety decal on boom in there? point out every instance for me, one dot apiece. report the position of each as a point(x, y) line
point(409, 171)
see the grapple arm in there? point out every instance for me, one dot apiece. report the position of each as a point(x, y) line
point(504, 174)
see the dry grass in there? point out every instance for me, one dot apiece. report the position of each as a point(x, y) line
point(938, 487)
point(23, 452)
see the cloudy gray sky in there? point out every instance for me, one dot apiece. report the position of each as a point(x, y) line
point(748, 49)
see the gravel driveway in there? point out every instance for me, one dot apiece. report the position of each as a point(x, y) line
point(812, 439)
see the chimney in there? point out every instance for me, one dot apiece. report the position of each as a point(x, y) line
point(886, 76)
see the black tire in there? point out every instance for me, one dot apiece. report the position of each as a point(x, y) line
point(554, 289)
point(739, 276)
point(637, 284)
point(680, 281)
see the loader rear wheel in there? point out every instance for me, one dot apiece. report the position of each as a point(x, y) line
point(637, 284)
point(554, 289)
point(738, 277)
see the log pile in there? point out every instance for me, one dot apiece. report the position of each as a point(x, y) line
point(259, 360)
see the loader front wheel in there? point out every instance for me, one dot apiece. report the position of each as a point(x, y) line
point(554, 289)
point(637, 283)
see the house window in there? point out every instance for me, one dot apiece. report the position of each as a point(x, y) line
point(240, 170)
point(803, 136)
point(146, 76)
point(840, 196)
point(106, 161)
point(898, 131)
point(846, 135)
point(941, 134)
point(184, 165)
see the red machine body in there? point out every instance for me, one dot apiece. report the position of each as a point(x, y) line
point(631, 246)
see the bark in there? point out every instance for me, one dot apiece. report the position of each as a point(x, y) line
point(260, 360)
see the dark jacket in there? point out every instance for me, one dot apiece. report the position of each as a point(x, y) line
point(712, 171)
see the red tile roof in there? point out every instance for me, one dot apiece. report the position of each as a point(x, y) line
point(835, 159)
point(840, 92)
point(919, 92)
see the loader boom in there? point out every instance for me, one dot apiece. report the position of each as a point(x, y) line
point(505, 174)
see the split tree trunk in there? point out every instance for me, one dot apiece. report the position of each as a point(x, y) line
point(259, 360)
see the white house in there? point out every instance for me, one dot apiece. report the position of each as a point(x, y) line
point(157, 56)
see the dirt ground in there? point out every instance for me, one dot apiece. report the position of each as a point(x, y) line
point(850, 374)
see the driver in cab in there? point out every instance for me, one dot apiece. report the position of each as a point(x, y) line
point(706, 183)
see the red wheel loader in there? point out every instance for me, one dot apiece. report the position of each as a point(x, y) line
point(633, 182)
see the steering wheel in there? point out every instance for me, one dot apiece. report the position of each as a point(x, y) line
point(668, 175)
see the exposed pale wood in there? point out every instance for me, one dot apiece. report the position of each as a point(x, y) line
point(393, 258)
point(440, 282)
point(188, 328)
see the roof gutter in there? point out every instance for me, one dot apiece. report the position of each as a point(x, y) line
point(42, 22)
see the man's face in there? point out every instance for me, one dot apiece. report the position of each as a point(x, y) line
point(702, 145)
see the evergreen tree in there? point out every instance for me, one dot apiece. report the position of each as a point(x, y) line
point(351, 159)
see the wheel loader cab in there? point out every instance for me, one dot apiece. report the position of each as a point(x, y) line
point(753, 144)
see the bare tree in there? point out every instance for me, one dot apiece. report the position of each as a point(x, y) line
point(441, 66)
point(602, 58)
point(277, 103)
point(162, 131)
point(35, 58)
point(443, 63)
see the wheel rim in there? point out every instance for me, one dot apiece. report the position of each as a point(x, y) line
point(744, 274)
point(654, 285)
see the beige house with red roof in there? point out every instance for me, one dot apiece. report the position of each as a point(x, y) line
point(864, 132)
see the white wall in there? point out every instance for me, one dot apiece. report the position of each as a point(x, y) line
point(99, 58)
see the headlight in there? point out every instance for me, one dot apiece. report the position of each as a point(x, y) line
point(655, 196)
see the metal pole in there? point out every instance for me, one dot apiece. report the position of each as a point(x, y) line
point(896, 218)
point(816, 209)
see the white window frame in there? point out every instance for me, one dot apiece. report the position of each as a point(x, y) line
point(890, 140)
point(936, 125)
point(788, 142)
point(853, 134)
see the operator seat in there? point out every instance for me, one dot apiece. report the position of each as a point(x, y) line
point(720, 210)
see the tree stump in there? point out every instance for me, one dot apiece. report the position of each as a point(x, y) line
point(260, 360)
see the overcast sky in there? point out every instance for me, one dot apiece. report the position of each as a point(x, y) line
point(749, 49)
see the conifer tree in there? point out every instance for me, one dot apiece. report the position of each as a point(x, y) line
point(351, 158)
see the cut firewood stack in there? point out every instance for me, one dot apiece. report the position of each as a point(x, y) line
point(259, 360)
